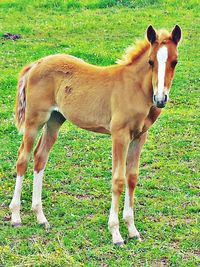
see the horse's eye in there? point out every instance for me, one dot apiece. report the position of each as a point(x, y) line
point(151, 62)
point(173, 64)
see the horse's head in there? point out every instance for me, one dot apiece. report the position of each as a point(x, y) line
point(163, 59)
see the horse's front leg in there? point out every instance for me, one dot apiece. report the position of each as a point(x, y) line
point(120, 144)
point(132, 170)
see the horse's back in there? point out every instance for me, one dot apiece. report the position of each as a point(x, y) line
point(80, 91)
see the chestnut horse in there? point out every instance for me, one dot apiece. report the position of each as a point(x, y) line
point(123, 100)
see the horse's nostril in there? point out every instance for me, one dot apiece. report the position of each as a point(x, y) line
point(165, 98)
point(154, 98)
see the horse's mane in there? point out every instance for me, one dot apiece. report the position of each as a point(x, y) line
point(134, 52)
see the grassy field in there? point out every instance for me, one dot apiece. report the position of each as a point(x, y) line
point(77, 184)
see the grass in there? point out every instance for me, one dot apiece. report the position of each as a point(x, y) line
point(76, 193)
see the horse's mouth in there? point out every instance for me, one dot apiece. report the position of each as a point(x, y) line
point(160, 105)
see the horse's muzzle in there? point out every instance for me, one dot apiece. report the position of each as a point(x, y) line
point(160, 103)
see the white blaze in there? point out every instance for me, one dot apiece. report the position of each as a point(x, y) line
point(162, 56)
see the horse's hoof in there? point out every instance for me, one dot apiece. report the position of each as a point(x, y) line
point(119, 244)
point(45, 225)
point(17, 224)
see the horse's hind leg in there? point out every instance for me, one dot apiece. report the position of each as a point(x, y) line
point(41, 153)
point(32, 126)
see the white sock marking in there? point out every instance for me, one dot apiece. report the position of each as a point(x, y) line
point(128, 216)
point(37, 196)
point(113, 224)
point(162, 56)
point(16, 201)
point(127, 212)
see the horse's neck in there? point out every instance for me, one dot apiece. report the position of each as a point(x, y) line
point(141, 71)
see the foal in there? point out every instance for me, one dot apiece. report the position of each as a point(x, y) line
point(123, 100)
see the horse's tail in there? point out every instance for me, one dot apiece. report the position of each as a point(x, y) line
point(21, 98)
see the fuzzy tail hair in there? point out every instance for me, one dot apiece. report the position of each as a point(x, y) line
point(21, 98)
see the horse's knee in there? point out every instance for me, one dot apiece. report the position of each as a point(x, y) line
point(118, 185)
point(40, 161)
point(132, 181)
point(22, 164)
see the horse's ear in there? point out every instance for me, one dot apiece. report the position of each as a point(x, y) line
point(151, 34)
point(176, 34)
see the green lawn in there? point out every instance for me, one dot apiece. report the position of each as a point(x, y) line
point(77, 184)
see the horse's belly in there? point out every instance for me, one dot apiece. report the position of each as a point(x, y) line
point(89, 121)
point(89, 110)
point(91, 126)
